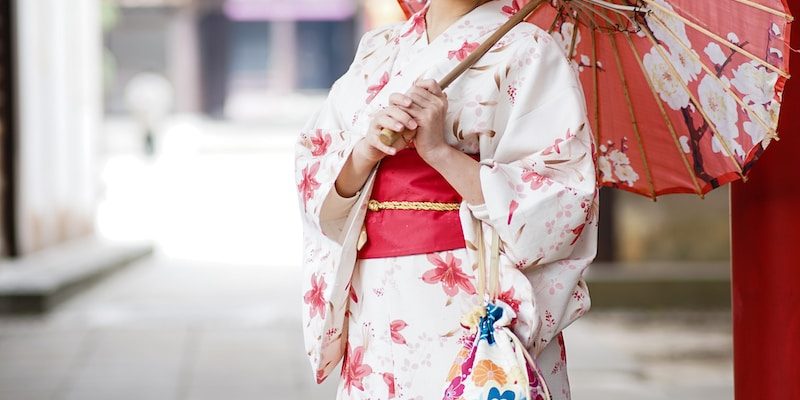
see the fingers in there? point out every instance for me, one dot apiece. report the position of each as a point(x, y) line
point(421, 101)
point(375, 141)
point(399, 99)
point(431, 99)
point(431, 86)
point(385, 120)
point(403, 117)
point(388, 119)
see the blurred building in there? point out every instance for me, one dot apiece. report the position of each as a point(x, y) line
point(213, 53)
point(66, 64)
point(51, 60)
point(215, 50)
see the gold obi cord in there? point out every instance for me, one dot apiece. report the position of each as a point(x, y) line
point(375, 205)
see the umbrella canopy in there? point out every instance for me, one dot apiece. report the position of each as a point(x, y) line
point(683, 95)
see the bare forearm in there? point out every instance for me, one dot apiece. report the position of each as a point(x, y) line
point(354, 172)
point(460, 170)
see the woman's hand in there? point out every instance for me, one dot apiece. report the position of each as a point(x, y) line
point(393, 118)
point(427, 104)
point(369, 149)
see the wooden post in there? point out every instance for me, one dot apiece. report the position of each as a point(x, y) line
point(8, 229)
point(765, 249)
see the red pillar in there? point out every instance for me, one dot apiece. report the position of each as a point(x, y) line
point(765, 247)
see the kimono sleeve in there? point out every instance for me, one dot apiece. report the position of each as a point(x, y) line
point(540, 183)
point(323, 146)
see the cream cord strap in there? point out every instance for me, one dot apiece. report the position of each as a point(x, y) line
point(494, 289)
point(494, 266)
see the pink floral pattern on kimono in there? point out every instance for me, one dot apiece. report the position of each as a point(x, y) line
point(315, 297)
point(447, 272)
point(373, 90)
point(511, 9)
point(320, 141)
point(397, 319)
point(389, 379)
point(417, 25)
point(462, 52)
point(353, 369)
point(308, 183)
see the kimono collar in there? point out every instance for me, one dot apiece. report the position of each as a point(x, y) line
point(415, 26)
point(433, 60)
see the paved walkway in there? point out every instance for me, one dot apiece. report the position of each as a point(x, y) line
point(171, 329)
point(214, 314)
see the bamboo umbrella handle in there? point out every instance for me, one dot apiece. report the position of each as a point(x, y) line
point(388, 136)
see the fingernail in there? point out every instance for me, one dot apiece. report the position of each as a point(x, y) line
point(398, 126)
point(413, 124)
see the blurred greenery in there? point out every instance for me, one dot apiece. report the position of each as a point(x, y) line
point(109, 14)
point(675, 227)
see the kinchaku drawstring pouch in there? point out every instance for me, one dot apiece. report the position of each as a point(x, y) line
point(493, 364)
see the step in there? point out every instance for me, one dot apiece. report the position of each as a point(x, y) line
point(40, 281)
point(660, 285)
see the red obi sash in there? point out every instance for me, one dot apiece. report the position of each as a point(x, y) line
point(393, 229)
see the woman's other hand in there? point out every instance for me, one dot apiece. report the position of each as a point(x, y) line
point(393, 118)
point(369, 149)
point(429, 108)
point(427, 103)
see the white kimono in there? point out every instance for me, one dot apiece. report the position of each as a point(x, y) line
point(522, 109)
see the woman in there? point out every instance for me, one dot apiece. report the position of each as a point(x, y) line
point(507, 147)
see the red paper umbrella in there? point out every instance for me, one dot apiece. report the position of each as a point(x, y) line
point(683, 95)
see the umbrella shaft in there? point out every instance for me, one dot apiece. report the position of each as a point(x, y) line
point(388, 136)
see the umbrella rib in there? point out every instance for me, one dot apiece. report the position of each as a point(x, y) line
point(678, 77)
point(634, 123)
point(613, 6)
point(667, 121)
point(595, 87)
point(771, 133)
point(592, 25)
point(762, 7)
point(573, 40)
point(555, 20)
point(619, 10)
point(591, 8)
point(716, 37)
point(595, 69)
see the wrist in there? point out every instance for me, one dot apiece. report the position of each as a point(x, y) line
point(437, 156)
point(362, 157)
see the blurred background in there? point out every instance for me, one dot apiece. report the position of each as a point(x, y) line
point(150, 235)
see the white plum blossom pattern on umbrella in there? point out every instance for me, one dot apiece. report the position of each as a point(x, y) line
point(669, 60)
point(721, 110)
point(686, 62)
point(665, 26)
point(715, 54)
point(756, 130)
point(614, 165)
point(664, 80)
point(564, 36)
point(755, 83)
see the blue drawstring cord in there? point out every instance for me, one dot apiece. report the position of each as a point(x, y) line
point(486, 324)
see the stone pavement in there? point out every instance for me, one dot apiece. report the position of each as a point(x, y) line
point(214, 313)
point(172, 329)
